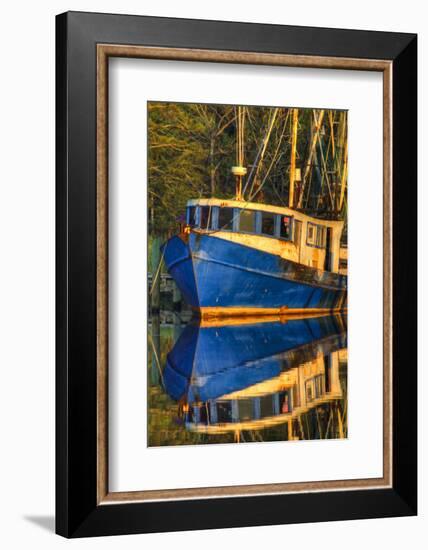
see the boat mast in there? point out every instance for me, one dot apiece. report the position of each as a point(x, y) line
point(239, 170)
point(293, 157)
point(343, 165)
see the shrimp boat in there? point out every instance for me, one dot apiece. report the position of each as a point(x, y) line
point(233, 257)
point(241, 257)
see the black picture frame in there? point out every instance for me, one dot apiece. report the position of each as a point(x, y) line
point(77, 511)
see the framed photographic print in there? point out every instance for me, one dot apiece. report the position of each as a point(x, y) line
point(236, 274)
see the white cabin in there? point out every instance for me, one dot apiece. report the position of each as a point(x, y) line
point(275, 229)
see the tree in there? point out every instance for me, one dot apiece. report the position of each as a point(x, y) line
point(192, 147)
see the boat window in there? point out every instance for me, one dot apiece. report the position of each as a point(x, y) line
point(319, 386)
point(285, 228)
point(311, 234)
point(191, 215)
point(205, 217)
point(224, 411)
point(225, 219)
point(246, 411)
point(266, 406)
point(309, 390)
point(315, 235)
point(247, 220)
point(268, 223)
point(320, 236)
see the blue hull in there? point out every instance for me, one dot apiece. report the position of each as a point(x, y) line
point(216, 273)
point(208, 362)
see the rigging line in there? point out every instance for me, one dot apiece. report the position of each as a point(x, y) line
point(275, 112)
point(275, 159)
point(264, 180)
point(340, 151)
point(343, 181)
point(245, 203)
point(260, 154)
point(242, 206)
point(158, 365)
point(317, 126)
point(279, 197)
point(253, 168)
point(158, 270)
point(324, 165)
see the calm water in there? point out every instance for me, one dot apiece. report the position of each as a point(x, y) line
point(251, 381)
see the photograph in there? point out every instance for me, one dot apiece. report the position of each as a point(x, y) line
point(213, 269)
point(213, 265)
point(247, 273)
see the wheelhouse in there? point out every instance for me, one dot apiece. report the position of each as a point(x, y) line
point(278, 230)
point(240, 220)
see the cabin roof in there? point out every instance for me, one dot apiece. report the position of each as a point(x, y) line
point(283, 210)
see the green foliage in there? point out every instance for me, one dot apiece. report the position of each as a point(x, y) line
point(192, 148)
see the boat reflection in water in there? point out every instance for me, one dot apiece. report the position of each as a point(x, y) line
point(255, 380)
